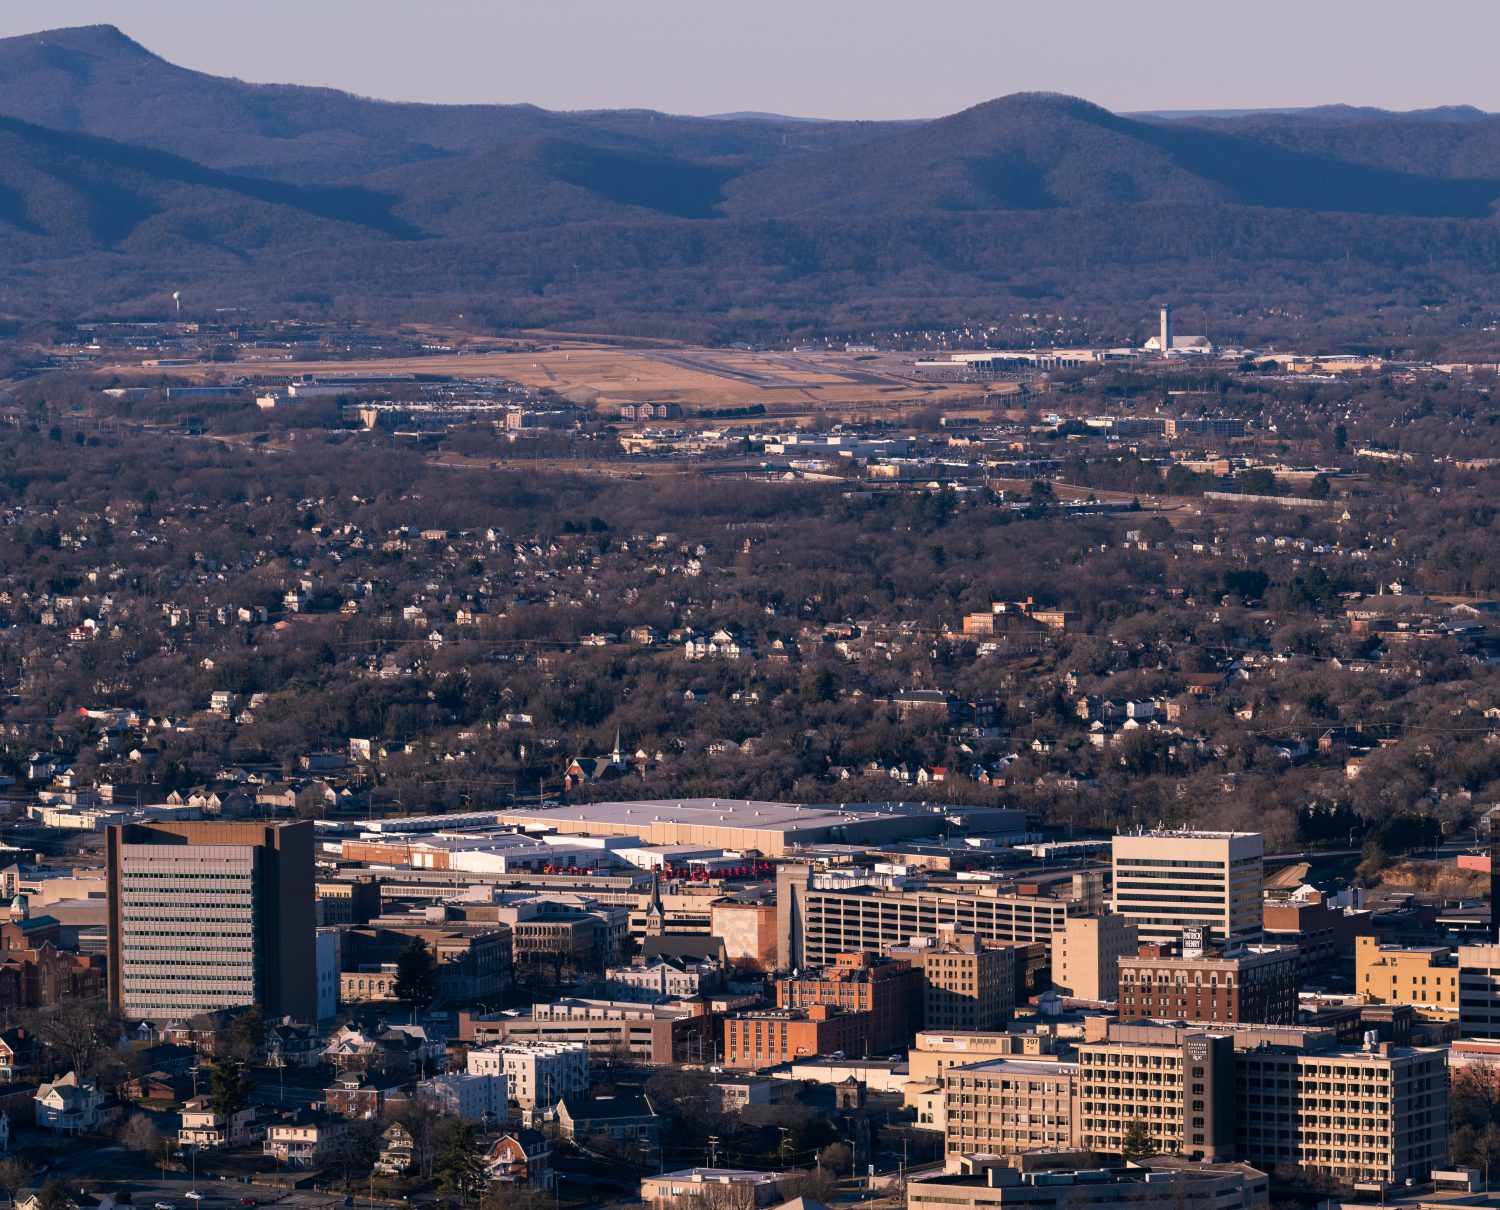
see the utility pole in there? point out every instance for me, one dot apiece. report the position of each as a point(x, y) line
point(713, 1151)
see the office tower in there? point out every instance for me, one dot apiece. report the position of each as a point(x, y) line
point(1192, 887)
point(209, 916)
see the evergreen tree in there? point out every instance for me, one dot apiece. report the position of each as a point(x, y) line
point(416, 975)
point(1137, 1143)
point(459, 1167)
point(230, 1090)
point(246, 1034)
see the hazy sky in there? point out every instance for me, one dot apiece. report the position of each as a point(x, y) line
point(826, 58)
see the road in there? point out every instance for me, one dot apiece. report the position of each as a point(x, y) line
point(1446, 851)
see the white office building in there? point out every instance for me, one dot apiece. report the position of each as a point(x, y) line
point(1203, 888)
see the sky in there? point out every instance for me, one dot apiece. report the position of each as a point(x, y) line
point(826, 58)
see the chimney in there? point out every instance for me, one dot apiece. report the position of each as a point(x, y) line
point(1166, 329)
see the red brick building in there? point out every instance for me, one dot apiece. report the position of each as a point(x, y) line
point(361, 1094)
point(1323, 935)
point(44, 975)
point(1254, 984)
point(890, 991)
point(783, 1035)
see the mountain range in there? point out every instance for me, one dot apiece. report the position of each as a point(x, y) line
point(124, 176)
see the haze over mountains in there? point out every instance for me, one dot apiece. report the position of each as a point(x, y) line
point(123, 176)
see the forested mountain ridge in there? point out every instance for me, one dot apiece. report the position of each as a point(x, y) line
point(123, 177)
point(1039, 151)
point(96, 80)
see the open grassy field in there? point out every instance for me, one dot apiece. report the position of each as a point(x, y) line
point(605, 377)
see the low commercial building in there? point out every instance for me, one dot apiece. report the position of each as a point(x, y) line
point(608, 1029)
point(712, 1189)
point(769, 828)
point(472, 962)
point(770, 1037)
point(1323, 935)
point(1160, 1183)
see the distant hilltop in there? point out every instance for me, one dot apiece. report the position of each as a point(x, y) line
point(120, 171)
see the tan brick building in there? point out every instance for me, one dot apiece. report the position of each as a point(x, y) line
point(1086, 955)
point(1424, 976)
point(1007, 1106)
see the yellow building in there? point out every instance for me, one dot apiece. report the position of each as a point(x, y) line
point(1424, 976)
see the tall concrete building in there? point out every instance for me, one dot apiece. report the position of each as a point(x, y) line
point(1009, 1106)
point(209, 916)
point(1479, 991)
point(1086, 955)
point(1198, 888)
point(968, 985)
point(816, 921)
point(1268, 1095)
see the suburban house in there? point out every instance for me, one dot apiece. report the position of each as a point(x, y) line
point(521, 1157)
point(69, 1105)
point(398, 1151)
point(209, 1130)
point(296, 1141)
point(361, 1094)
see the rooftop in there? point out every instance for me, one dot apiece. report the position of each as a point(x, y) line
point(732, 812)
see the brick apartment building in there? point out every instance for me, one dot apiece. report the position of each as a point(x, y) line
point(774, 1036)
point(888, 991)
point(1254, 984)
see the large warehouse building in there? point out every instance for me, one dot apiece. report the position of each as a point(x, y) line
point(770, 828)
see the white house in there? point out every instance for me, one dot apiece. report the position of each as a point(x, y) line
point(69, 1105)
